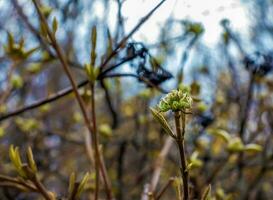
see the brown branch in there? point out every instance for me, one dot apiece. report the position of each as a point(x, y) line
point(163, 190)
point(124, 40)
point(9, 181)
point(5, 95)
point(180, 132)
point(41, 188)
point(95, 142)
point(67, 91)
point(159, 163)
point(41, 102)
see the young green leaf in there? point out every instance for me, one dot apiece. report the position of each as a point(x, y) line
point(206, 195)
point(235, 145)
point(72, 180)
point(253, 148)
point(82, 184)
point(30, 159)
point(220, 133)
point(10, 41)
point(54, 25)
point(94, 44)
point(177, 186)
point(161, 119)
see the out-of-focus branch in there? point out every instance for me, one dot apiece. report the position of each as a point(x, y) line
point(124, 40)
point(164, 189)
point(5, 95)
point(67, 91)
point(159, 163)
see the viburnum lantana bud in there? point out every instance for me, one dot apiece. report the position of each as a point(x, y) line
point(176, 100)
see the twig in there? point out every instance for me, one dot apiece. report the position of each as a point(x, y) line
point(180, 131)
point(159, 163)
point(95, 141)
point(120, 170)
point(41, 188)
point(7, 92)
point(124, 40)
point(67, 91)
point(110, 105)
point(5, 180)
point(163, 190)
point(145, 193)
point(217, 169)
point(244, 120)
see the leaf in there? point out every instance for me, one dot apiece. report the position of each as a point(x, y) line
point(177, 186)
point(72, 180)
point(82, 184)
point(195, 161)
point(94, 43)
point(16, 160)
point(235, 145)
point(2, 131)
point(160, 118)
point(30, 159)
point(220, 133)
point(21, 43)
point(92, 72)
point(43, 29)
point(206, 193)
point(110, 42)
point(54, 25)
point(29, 52)
point(253, 148)
point(46, 10)
point(94, 36)
point(10, 41)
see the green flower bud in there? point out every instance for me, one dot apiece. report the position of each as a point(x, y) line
point(176, 100)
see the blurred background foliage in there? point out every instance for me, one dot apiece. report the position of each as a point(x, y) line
point(228, 135)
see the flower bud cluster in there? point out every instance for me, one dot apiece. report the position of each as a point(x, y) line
point(176, 100)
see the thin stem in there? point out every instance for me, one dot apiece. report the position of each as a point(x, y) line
point(218, 169)
point(159, 163)
point(246, 107)
point(180, 131)
point(95, 140)
point(244, 120)
point(41, 188)
point(9, 181)
point(164, 189)
point(124, 40)
point(105, 177)
point(120, 168)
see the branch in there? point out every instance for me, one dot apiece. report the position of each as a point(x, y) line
point(67, 91)
point(124, 40)
point(159, 163)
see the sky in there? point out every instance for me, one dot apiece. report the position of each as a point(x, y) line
point(209, 12)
